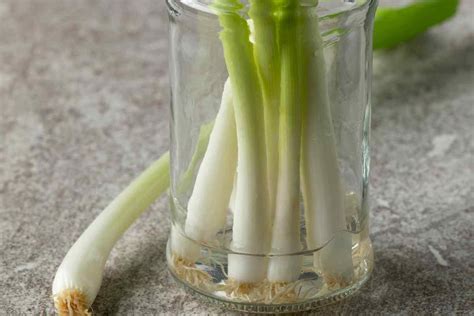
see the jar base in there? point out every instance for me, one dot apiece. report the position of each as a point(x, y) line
point(194, 279)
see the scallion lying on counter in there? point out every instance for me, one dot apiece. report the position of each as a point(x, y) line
point(79, 276)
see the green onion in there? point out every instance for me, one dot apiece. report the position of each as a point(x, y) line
point(263, 18)
point(79, 276)
point(251, 224)
point(320, 178)
point(213, 185)
point(286, 222)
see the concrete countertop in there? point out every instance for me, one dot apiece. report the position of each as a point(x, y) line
point(84, 108)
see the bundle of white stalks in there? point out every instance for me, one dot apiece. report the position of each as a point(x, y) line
point(281, 110)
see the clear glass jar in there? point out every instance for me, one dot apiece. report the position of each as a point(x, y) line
point(270, 151)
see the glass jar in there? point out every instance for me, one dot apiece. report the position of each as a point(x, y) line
point(270, 150)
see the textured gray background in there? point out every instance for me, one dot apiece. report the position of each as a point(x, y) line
point(84, 108)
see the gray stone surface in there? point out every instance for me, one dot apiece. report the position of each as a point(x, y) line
point(84, 108)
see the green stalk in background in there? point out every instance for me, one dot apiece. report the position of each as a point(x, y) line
point(186, 180)
point(251, 227)
point(262, 13)
point(395, 25)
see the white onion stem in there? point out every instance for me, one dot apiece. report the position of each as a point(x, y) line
point(80, 272)
point(208, 204)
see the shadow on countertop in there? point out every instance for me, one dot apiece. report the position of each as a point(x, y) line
point(145, 271)
point(406, 281)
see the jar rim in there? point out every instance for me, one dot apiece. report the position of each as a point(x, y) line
point(178, 7)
